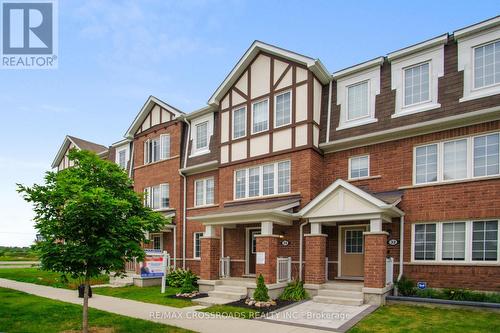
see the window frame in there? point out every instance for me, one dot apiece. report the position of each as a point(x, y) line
point(206, 123)
point(245, 122)
point(429, 99)
point(152, 237)
point(194, 244)
point(473, 67)
point(261, 180)
point(149, 150)
point(349, 177)
point(440, 159)
point(148, 198)
point(468, 244)
point(289, 108)
point(118, 152)
point(252, 116)
point(204, 182)
point(368, 107)
point(362, 241)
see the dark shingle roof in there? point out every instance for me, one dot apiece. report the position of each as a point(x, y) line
point(87, 145)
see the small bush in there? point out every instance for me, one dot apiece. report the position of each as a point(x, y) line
point(187, 286)
point(175, 278)
point(457, 294)
point(294, 291)
point(406, 287)
point(260, 294)
point(429, 293)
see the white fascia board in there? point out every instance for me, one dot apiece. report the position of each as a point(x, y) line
point(440, 40)
point(476, 28)
point(358, 68)
point(60, 153)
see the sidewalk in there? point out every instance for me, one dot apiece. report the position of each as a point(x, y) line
point(186, 318)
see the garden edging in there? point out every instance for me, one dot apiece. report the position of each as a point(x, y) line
point(441, 302)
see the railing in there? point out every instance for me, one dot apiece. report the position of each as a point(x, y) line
point(326, 269)
point(131, 266)
point(389, 270)
point(225, 267)
point(284, 269)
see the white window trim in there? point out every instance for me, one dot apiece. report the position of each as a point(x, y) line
point(466, 48)
point(435, 57)
point(160, 158)
point(468, 244)
point(232, 120)
point(161, 146)
point(204, 182)
point(251, 116)
point(430, 85)
point(290, 107)
point(372, 76)
point(161, 239)
point(194, 244)
point(440, 160)
point(117, 157)
point(345, 242)
point(261, 181)
point(149, 198)
point(210, 128)
point(349, 167)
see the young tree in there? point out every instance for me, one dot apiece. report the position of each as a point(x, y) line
point(90, 220)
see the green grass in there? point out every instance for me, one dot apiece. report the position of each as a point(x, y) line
point(145, 294)
point(234, 311)
point(405, 318)
point(46, 278)
point(24, 313)
point(17, 258)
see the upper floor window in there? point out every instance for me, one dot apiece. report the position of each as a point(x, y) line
point(260, 116)
point(359, 167)
point(461, 241)
point(282, 109)
point(464, 158)
point(239, 123)
point(202, 136)
point(157, 149)
point(157, 197)
point(357, 101)
point(121, 158)
point(204, 191)
point(487, 65)
point(416, 84)
point(262, 180)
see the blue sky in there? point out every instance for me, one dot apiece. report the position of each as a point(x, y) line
point(114, 54)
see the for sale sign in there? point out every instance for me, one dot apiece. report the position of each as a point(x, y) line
point(152, 266)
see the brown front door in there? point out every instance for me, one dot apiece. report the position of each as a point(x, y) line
point(352, 251)
point(252, 248)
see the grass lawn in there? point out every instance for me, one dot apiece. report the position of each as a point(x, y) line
point(46, 278)
point(146, 294)
point(24, 313)
point(17, 258)
point(234, 311)
point(405, 318)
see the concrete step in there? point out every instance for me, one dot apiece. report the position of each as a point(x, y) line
point(227, 295)
point(347, 286)
point(337, 300)
point(208, 301)
point(231, 289)
point(237, 282)
point(341, 293)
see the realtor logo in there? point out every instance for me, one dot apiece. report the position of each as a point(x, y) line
point(29, 34)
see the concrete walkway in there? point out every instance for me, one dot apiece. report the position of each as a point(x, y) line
point(186, 318)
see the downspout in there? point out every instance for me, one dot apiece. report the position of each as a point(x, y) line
point(175, 246)
point(131, 160)
point(222, 242)
point(301, 248)
point(184, 199)
point(401, 245)
point(329, 108)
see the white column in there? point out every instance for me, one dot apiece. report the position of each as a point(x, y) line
point(209, 231)
point(315, 228)
point(266, 228)
point(375, 225)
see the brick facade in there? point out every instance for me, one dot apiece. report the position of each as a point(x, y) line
point(268, 245)
point(210, 255)
point(315, 259)
point(375, 254)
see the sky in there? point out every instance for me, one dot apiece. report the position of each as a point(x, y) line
point(114, 54)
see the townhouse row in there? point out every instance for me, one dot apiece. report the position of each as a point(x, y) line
point(385, 168)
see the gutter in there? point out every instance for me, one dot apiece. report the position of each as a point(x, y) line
point(184, 197)
point(401, 245)
point(301, 241)
point(329, 108)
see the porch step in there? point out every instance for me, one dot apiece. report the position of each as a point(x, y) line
point(341, 293)
point(208, 301)
point(231, 289)
point(337, 300)
point(244, 282)
point(233, 296)
point(346, 286)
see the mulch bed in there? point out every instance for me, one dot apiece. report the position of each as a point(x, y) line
point(200, 295)
point(279, 304)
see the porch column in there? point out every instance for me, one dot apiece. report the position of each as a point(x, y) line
point(210, 254)
point(315, 255)
point(267, 243)
point(375, 255)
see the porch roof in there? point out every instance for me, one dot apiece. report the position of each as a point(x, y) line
point(342, 201)
point(276, 211)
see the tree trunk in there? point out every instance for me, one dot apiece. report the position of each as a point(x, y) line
point(85, 328)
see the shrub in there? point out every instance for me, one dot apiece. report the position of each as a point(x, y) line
point(187, 285)
point(260, 294)
point(428, 293)
point(294, 291)
point(406, 287)
point(456, 294)
point(175, 278)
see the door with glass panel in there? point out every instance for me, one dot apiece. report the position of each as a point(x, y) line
point(352, 251)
